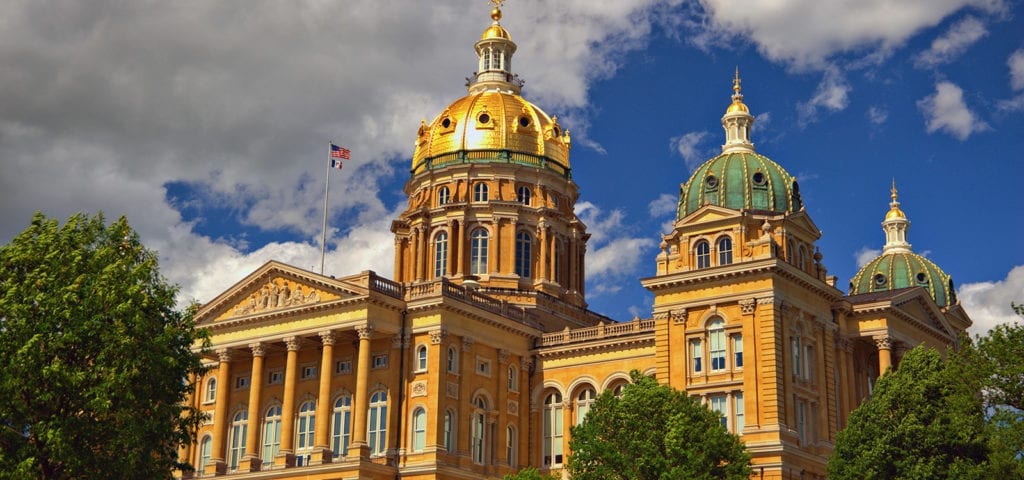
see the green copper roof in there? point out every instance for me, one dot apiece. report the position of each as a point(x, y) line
point(893, 271)
point(740, 180)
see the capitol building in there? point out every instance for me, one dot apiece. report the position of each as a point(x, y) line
point(478, 357)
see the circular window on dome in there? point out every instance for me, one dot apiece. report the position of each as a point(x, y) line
point(921, 277)
point(524, 122)
point(447, 122)
point(484, 118)
point(558, 131)
point(759, 178)
point(711, 181)
point(879, 279)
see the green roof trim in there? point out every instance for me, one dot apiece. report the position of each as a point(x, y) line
point(893, 271)
point(740, 181)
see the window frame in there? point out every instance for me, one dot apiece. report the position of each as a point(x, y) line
point(553, 430)
point(524, 254)
point(440, 254)
point(717, 352)
point(702, 254)
point(523, 194)
point(421, 358)
point(305, 431)
point(724, 247)
point(419, 429)
point(341, 425)
point(377, 423)
point(271, 435)
point(443, 196)
point(480, 192)
point(237, 434)
point(478, 251)
point(584, 402)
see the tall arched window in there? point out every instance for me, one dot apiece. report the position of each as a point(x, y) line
point(443, 196)
point(801, 259)
point(421, 358)
point(796, 345)
point(724, 251)
point(716, 344)
point(584, 401)
point(478, 430)
point(523, 257)
point(511, 444)
point(478, 252)
point(211, 390)
point(441, 255)
point(480, 192)
point(205, 447)
point(304, 432)
point(271, 434)
point(453, 359)
point(523, 195)
point(449, 430)
point(513, 378)
point(419, 429)
point(239, 431)
point(341, 424)
point(559, 257)
point(553, 430)
point(378, 422)
point(703, 253)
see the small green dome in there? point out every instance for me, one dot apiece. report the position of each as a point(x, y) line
point(740, 180)
point(893, 271)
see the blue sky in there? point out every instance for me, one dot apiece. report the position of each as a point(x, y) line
point(207, 123)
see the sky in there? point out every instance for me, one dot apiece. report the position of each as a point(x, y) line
point(207, 123)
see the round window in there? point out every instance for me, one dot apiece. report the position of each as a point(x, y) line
point(711, 181)
point(879, 279)
point(558, 131)
point(447, 122)
point(759, 178)
point(524, 122)
point(484, 118)
point(922, 278)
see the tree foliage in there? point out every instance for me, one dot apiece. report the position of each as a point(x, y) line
point(93, 355)
point(923, 420)
point(654, 432)
point(530, 473)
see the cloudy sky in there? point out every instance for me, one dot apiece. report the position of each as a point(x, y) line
point(207, 123)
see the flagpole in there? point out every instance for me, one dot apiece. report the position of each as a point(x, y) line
point(327, 191)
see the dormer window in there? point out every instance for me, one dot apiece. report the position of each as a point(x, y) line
point(443, 196)
point(480, 192)
point(523, 195)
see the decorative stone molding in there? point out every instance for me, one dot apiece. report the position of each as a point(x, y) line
point(747, 306)
point(679, 316)
point(365, 332)
point(661, 315)
point(451, 390)
point(292, 343)
point(467, 343)
point(419, 389)
point(224, 355)
point(845, 344)
point(512, 407)
point(528, 364)
point(770, 300)
point(503, 356)
point(327, 337)
point(273, 296)
point(400, 341)
point(258, 349)
point(438, 336)
point(883, 342)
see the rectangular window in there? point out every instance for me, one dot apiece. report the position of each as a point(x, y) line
point(275, 377)
point(801, 421)
point(739, 409)
point(483, 367)
point(343, 367)
point(380, 360)
point(737, 350)
point(719, 406)
point(716, 342)
point(698, 356)
point(809, 363)
point(241, 382)
point(308, 372)
point(797, 361)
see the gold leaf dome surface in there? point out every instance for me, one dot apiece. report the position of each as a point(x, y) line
point(492, 121)
point(495, 31)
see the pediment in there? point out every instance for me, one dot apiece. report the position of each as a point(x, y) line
point(803, 221)
point(272, 287)
point(918, 305)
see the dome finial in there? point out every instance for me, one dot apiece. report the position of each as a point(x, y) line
point(496, 11)
point(737, 121)
point(894, 205)
point(736, 81)
point(895, 226)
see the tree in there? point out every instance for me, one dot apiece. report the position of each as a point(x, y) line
point(997, 358)
point(93, 355)
point(654, 432)
point(530, 473)
point(923, 420)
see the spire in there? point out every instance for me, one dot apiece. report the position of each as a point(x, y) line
point(737, 121)
point(494, 51)
point(895, 226)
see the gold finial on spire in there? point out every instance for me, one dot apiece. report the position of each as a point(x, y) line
point(496, 11)
point(893, 189)
point(894, 205)
point(736, 81)
point(737, 97)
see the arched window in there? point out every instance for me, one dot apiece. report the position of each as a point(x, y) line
point(341, 424)
point(271, 434)
point(584, 401)
point(441, 255)
point(801, 261)
point(421, 358)
point(304, 432)
point(618, 389)
point(205, 447)
point(523, 195)
point(239, 431)
point(211, 390)
point(378, 422)
point(553, 430)
point(796, 345)
point(724, 251)
point(511, 442)
point(523, 257)
point(559, 257)
point(716, 344)
point(449, 430)
point(478, 430)
point(419, 429)
point(478, 252)
point(453, 360)
point(443, 196)
point(480, 192)
point(703, 252)
point(513, 378)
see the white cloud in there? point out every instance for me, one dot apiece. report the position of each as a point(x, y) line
point(877, 115)
point(1015, 104)
point(688, 145)
point(988, 303)
point(832, 94)
point(952, 44)
point(946, 111)
point(665, 204)
point(865, 255)
point(613, 254)
point(805, 33)
point(762, 121)
point(1016, 64)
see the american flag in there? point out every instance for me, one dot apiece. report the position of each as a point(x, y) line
point(338, 153)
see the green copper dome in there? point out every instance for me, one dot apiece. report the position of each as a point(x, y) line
point(740, 180)
point(893, 271)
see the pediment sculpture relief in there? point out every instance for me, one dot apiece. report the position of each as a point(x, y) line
point(274, 296)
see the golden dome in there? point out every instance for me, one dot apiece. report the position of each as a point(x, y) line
point(737, 104)
point(483, 125)
point(495, 31)
point(894, 206)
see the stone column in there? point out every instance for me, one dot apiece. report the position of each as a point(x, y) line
point(360, 405)
point(252, 457)
point(220, 415)
point(321, 445)
point(454, 248)
point(884, 344)
point(286, 454)
point(417, 270)
point(399, 264)
point(542, 237)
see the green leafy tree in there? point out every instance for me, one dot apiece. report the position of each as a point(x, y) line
point(923, 421)
point(93, 355)
point(654, 432)
point(997, 359)
point(531, 473)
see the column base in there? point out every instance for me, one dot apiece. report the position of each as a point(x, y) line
point(284, 459)
point(250, 463)
point(359, 450)
point(216, 467)
point(321, 456)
